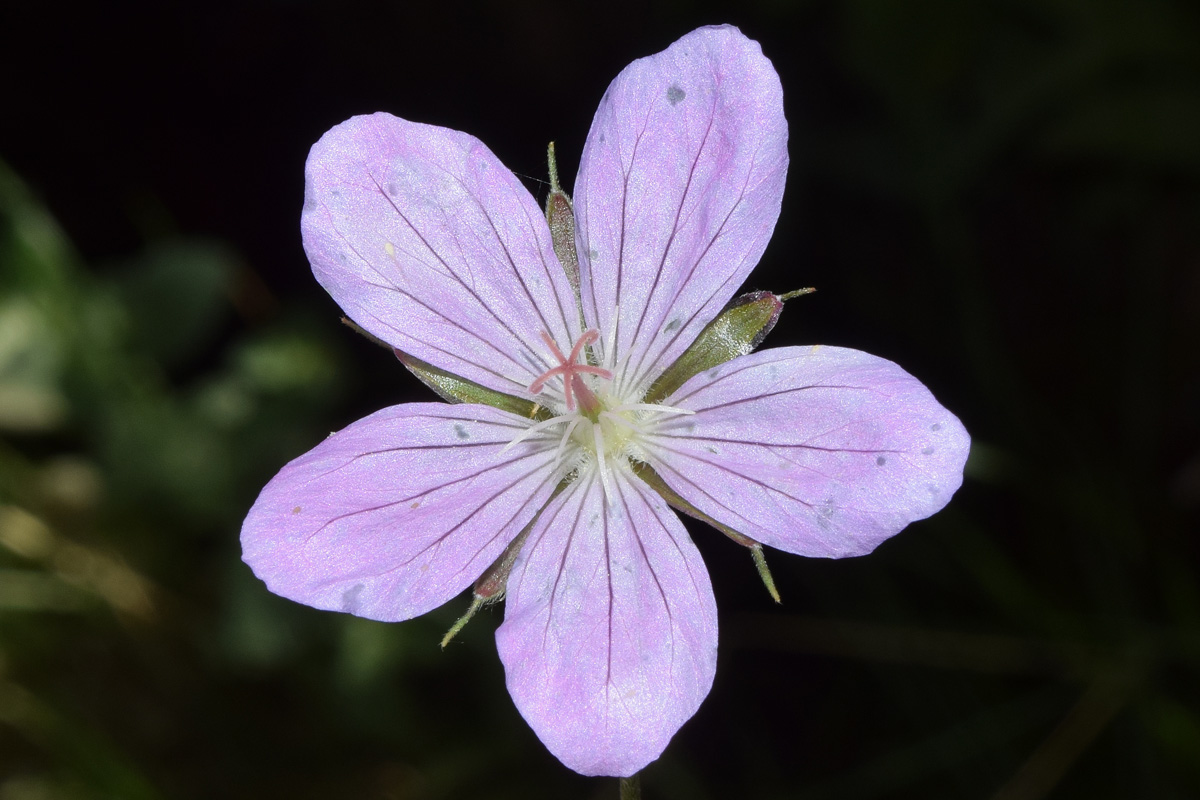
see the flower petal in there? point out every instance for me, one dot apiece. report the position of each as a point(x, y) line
point(427, 241)
point(820, 451)
point(678, 191)
point(609, 638)
point(399, 512)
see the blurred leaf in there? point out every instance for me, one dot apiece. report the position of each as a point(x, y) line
point(176, 295)
point(160, 453)
point(990, 730)
point(371, 652)
point(257, 629)
point(88, 757)
point(1177, 729)
point(33, 249)
point(29, 590)
point(31, 367)
point(285, 361)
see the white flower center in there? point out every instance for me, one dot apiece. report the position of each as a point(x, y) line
point(594, 428)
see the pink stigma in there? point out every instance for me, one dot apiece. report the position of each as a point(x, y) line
point(570, 370)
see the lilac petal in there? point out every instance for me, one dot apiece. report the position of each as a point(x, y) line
point(399, 512)
point(427, 241)
point(678, 191)
point(609, 639)
point(820, 451)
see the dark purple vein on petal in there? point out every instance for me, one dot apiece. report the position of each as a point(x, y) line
point(506, 526)
point(611, 605)
point(644, 376)
point(429, 491)
point(682, 329)
point(755, 481)
point(675, 228)
point(512, 263)
point(418, 448)
point(767, 395)
point(438, 348)
point(501, 442)
point(734, 513)
point(723, 468)
point(626, 170)
point(671, 536)
point(439, 446)
point(392, 287)
point(583, 233)
point(649, 564)
point(436, 543)
point(458, 279)
point(547, 270)
point(806, 467)
point(775, 445)
point(562, 560)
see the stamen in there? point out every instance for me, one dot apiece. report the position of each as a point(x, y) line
point(531, 430)
point(598, 437)
point(566, 437)
point(610, 347)
point(611, 416)
point(652, 407)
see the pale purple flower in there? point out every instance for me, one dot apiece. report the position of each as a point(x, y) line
point(429, 243)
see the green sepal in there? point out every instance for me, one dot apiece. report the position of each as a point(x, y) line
point(737, 330)
point(655, 482)
point(560, 216)
point(454, 389)
point(492, 584)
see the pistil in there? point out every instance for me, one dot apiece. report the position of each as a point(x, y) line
point(575, 391)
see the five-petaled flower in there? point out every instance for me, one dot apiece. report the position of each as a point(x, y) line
point(593, 412)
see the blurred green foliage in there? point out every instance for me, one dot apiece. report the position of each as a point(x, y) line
point(140, 657)
point(1038, 164)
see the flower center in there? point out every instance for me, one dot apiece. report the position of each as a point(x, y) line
point(598, 430)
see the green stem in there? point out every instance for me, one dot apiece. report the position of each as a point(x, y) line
point(631, 787)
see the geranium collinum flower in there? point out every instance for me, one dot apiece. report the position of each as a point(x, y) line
point(602, 400)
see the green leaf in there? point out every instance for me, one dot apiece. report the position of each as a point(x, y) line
point(177, 294)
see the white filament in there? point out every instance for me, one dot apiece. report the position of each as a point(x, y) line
point(620, 430)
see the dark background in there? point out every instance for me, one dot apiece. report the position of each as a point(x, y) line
point(1001, 196)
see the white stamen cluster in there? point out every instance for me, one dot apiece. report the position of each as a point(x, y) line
point(595, 427)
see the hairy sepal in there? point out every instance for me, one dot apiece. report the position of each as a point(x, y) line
point(652, 479)
point(736, 331)
point(455, 389)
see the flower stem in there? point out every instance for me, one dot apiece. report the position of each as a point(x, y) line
point(631, 787)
